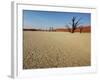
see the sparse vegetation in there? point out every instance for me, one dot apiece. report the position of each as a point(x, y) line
point(55, 49)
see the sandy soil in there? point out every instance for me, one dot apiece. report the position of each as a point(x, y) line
point(55, 49)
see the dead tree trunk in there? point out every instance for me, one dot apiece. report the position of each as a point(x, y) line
point(80, 29)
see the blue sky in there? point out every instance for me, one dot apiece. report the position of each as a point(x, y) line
point(46, 19)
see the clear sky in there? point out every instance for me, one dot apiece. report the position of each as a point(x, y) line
point(46, 19)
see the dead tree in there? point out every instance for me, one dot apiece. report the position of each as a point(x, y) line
point(80, 29)
point(74, 24)
point(51, 29)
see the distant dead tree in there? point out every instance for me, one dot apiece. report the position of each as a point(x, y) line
point(80, 27)
point(74, 24)
point(50, 28)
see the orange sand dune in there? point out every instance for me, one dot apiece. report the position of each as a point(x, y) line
point(84, 29)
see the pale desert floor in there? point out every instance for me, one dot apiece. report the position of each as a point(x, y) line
point(55, 49)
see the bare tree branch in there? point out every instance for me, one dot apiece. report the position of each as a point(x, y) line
point(69, 29)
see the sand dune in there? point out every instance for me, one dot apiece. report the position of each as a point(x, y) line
point(83, 29)
point(55, 49)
